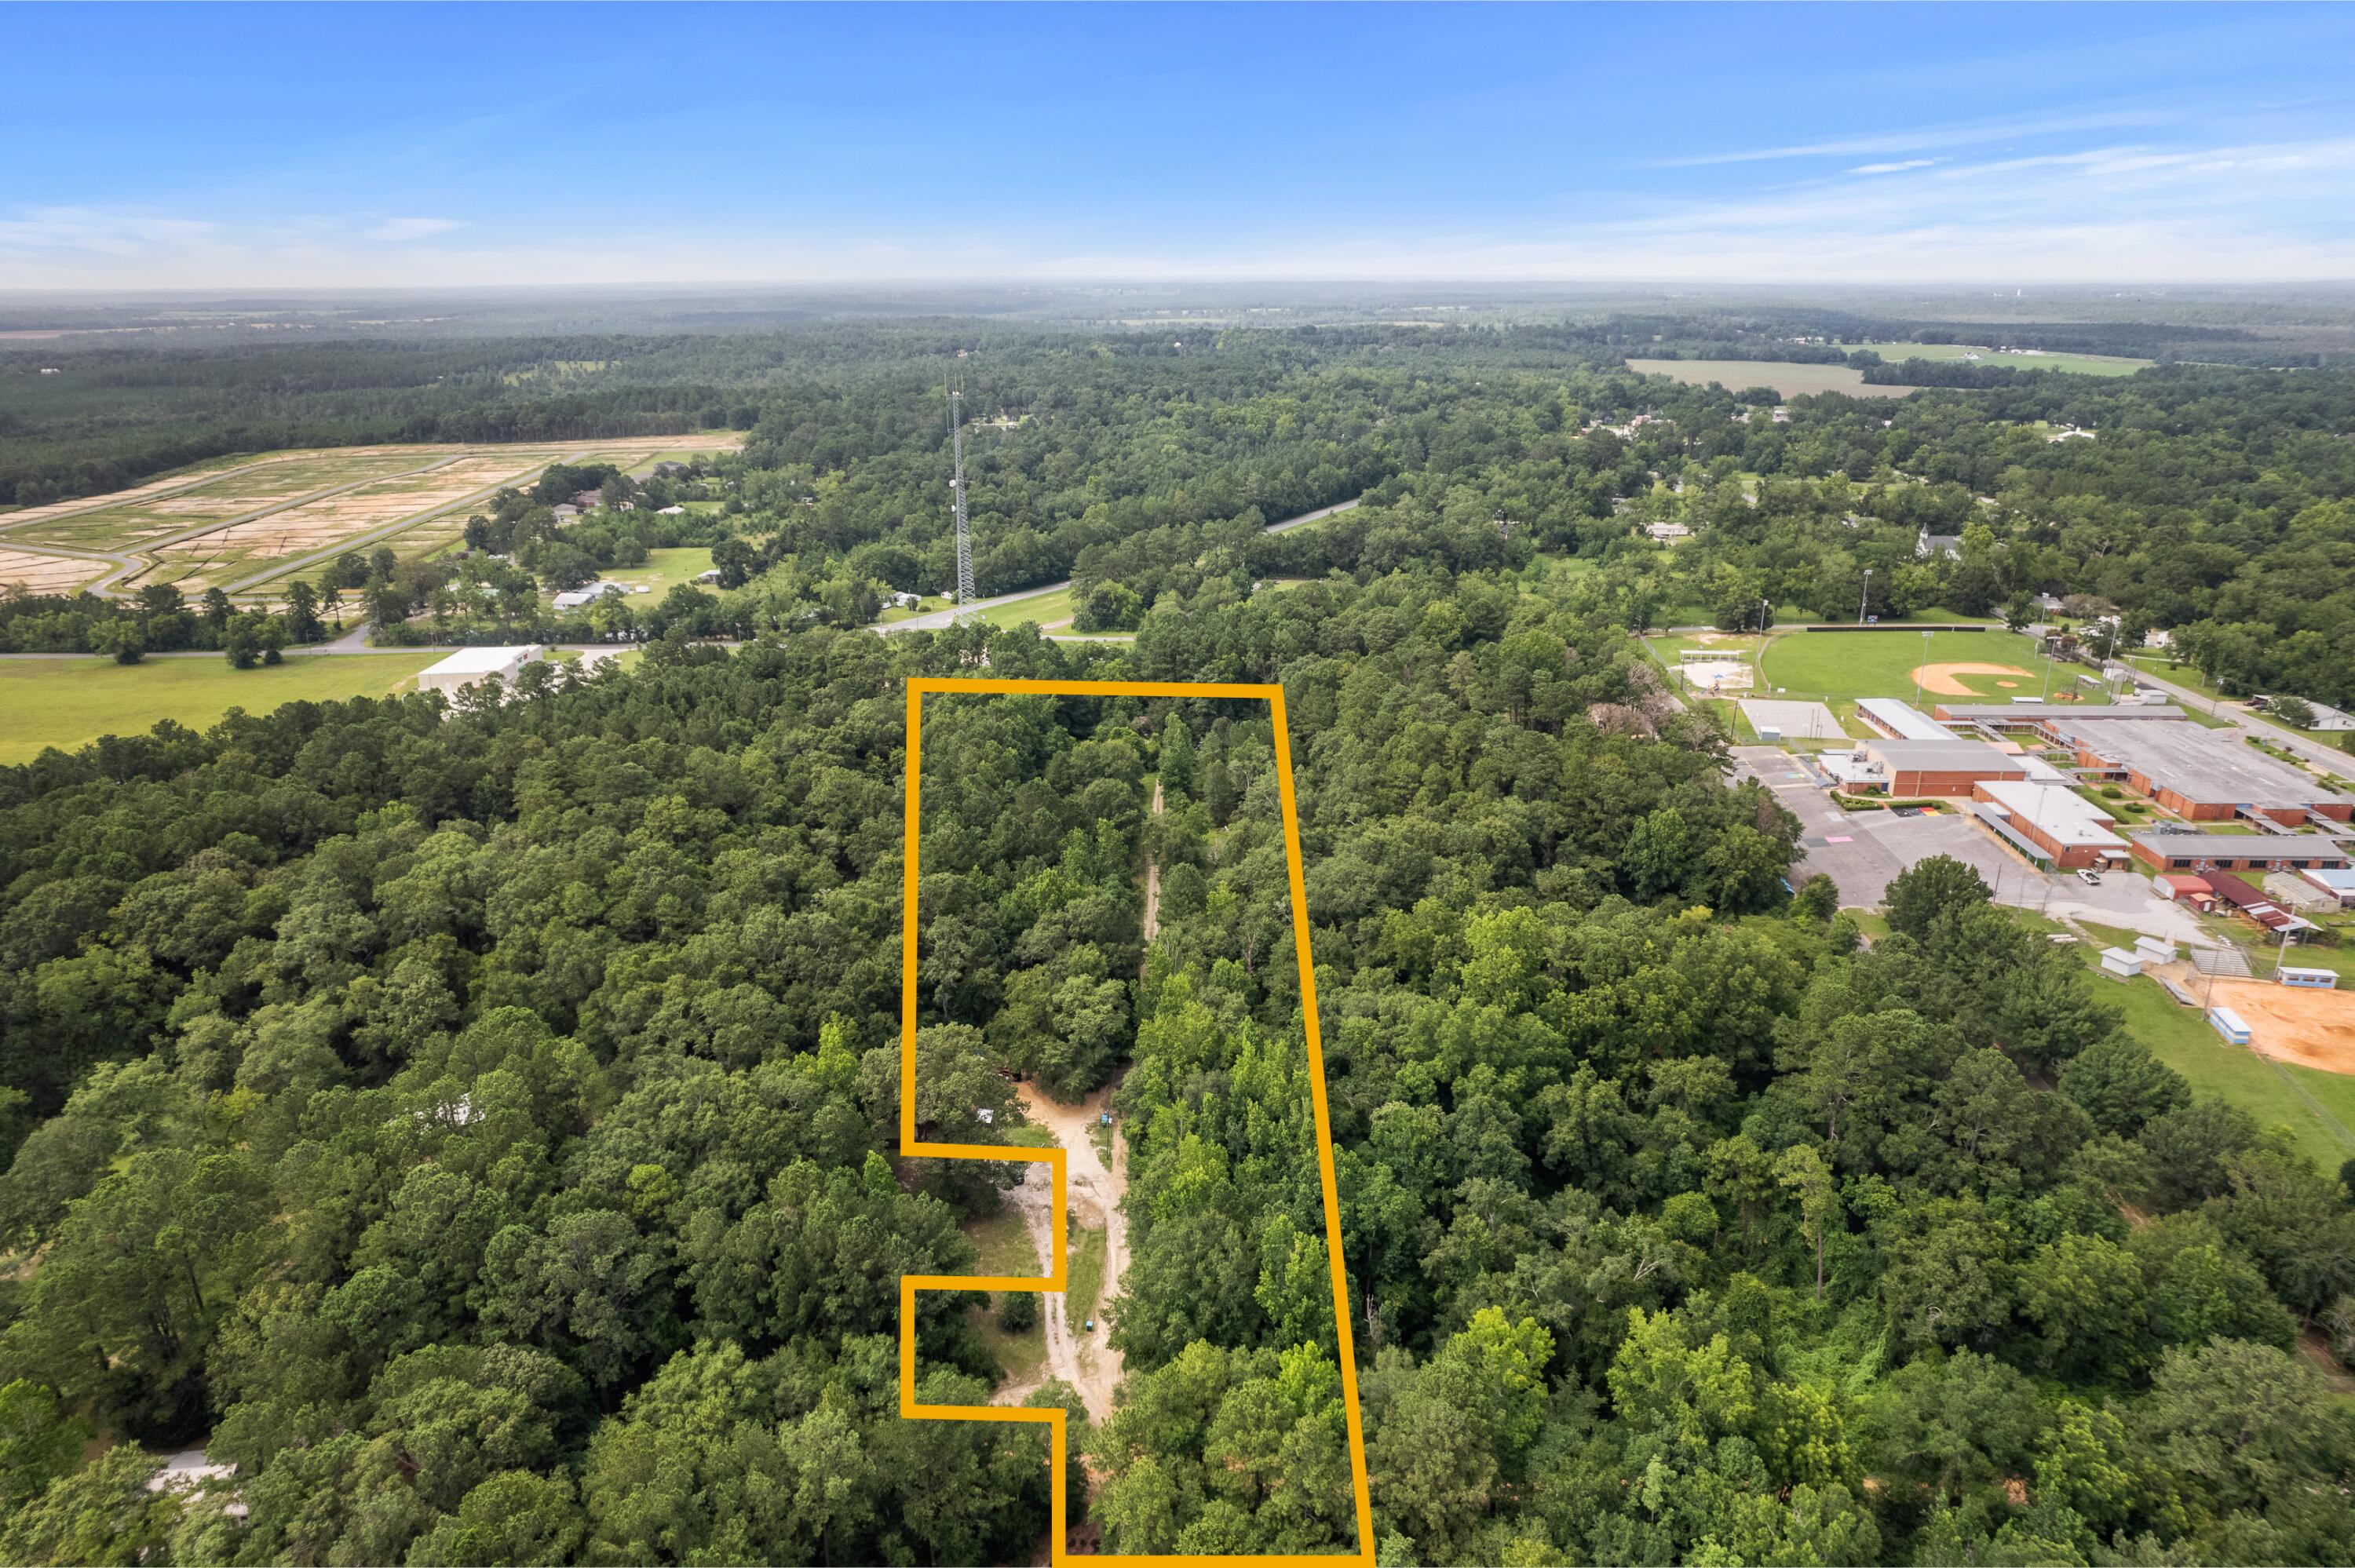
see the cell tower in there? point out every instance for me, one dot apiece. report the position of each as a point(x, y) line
point(956, 492)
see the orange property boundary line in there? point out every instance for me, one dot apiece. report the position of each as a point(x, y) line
point(1055, 1159)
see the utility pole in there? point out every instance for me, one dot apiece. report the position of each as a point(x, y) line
point(1918, 669)
point(956, 492)
point(1865, 597)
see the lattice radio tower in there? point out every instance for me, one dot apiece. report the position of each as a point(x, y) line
point(957, 493)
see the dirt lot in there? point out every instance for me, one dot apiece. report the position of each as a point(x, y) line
point(2311, 1028)
point(1940, 678)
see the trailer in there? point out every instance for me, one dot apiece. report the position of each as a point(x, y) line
point(2228, 1023)
point(2313, 980)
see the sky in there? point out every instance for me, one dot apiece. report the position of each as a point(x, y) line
point(337, 146)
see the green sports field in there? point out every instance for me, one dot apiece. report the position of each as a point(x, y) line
point(69, 703)
point(1851, 664)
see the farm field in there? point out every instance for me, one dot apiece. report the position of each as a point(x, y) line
point(2076, 364)
point(70, 703)
point(1788, 380)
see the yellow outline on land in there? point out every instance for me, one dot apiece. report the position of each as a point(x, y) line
point(1055, 1159)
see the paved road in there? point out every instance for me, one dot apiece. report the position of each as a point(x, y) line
point(941, 619)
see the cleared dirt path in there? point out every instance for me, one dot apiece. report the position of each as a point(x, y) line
point(1083, 1357)
point(1152, 887)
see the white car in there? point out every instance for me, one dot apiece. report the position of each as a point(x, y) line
point(2089, 876)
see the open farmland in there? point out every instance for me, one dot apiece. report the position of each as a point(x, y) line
point(1788, 380)
point(2075, 364)
point(69, 703)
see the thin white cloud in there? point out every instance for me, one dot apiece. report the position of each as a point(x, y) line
point(1921, 139)
point(1897, 168)
point(397, 230)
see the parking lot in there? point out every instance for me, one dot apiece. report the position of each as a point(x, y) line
point(1861, 851)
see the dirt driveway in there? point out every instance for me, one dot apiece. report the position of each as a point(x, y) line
point(1085, 1360)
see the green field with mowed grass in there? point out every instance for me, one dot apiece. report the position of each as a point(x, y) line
point(69, 703)
point(1044, 608)
point(1882, 664)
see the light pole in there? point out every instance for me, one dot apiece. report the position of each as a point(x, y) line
point(1918, 669)
point(1865, 597)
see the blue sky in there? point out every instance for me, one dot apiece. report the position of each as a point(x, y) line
point(340, 145)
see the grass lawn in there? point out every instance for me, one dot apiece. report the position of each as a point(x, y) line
point(69, 703)
point(935, 602)
point(663, 570)
point(1851, 664)
point(1788, 380)
point(1005, 1246)
point(1086, 1276)
point(2077, 364)
point(1044, 608)
point(2179, 1036)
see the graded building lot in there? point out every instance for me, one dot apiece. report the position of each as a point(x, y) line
point(1797, 721)
point(45, 573)
point(69, 703)
point(1788, 380)
point(216, 558)
point(130, 524)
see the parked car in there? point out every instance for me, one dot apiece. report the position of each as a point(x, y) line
point(2089, 876)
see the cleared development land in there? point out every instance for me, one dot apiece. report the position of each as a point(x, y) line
point(244, 523)
point(1788, 380)
point(69, 703)
point(2038, 359)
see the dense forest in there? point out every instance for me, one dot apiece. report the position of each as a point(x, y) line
point(479, 1124)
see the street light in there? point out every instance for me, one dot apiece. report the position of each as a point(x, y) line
point(1918, 669)
point(1865, 597)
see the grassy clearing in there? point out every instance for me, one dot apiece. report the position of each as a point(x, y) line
point(663, 569)
point(1004, 1245)
point(1086, 1276)
point(69, 703)
point(1788, 380)
point(2075, 364)
point(926, 607)
point(1041, 609)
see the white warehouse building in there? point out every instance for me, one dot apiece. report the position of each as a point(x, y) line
point(469, 666)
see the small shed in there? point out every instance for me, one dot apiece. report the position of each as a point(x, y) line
point(2155, 950)
point(2227, 1022)
point(2195, 891)
point(2123, 962)
point(2312, 980)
